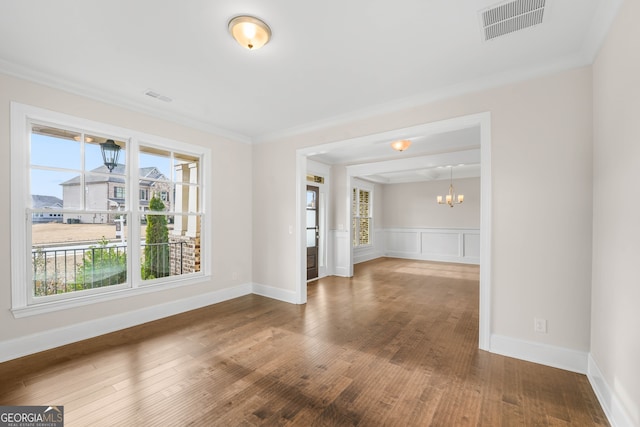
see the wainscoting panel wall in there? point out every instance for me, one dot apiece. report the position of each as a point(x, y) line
point(341, 246)
point(372, 251)
point(433, 244)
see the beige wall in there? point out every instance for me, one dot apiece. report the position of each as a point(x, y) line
point(414, 205)
point(338, 216)
point(230, 220)
point(541, 166)
point(615, 340)
point(378, 206)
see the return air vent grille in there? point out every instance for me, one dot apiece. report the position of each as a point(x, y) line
point(510, 17)
point(156, 95)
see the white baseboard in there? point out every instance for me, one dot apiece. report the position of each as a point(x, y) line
point(46, 340)
point(432, 257)
point(274, 293)
point(366, 257)
point(557, 357)
point(616, 413)
point(341, 272)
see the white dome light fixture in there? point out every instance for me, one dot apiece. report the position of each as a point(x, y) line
point(250, 32)
point(401, 144)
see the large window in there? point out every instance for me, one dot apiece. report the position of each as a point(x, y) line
point(361, 216)
point(100, 242)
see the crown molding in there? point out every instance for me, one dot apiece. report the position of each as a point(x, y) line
point(476, 85)
point(55, 82)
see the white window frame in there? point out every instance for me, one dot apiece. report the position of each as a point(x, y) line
point(22, 303)
point(360, 185)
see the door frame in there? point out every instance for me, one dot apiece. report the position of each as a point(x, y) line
point(483, 120)
point(320, 169)
point(316, 190)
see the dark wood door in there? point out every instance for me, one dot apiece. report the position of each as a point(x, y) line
point(313, 232)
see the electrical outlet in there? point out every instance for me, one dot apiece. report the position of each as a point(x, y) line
point(540, 325)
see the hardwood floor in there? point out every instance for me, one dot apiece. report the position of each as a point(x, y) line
point(394, 345)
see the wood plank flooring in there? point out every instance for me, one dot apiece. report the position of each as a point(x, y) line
point(396, 345)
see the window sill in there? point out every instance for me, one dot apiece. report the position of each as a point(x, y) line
point(85, 300)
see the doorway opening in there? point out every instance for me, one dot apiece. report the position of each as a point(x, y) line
point(313, 231)
point(341, 248)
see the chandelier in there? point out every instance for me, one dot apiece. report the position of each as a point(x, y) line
point(451, 198)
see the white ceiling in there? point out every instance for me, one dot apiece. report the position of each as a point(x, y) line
point(429, 157)
point(328, 61)
point(439, 173)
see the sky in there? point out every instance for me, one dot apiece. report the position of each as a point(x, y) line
point(54, 152)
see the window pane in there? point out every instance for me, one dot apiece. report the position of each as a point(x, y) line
point(171, 246)
point(47, 188)
point(311, 218)
point(311, 238)
point(71, 257)
point(151, 198)
point(155, 163)
point(354, 202)
point(186, 198)
point(100, 192)
point(52, 147)
point(311, 199)
point(364, 231)
point(119, 191)
point(364, 203)
point(354, 231)
point(187, 172)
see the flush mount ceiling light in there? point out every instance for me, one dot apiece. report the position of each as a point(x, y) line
point(401, 144)
point(250, 32)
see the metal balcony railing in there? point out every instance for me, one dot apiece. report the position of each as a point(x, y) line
point(69, 269)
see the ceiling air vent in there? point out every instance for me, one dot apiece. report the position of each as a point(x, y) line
point(510, 17)
point(156, 95)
